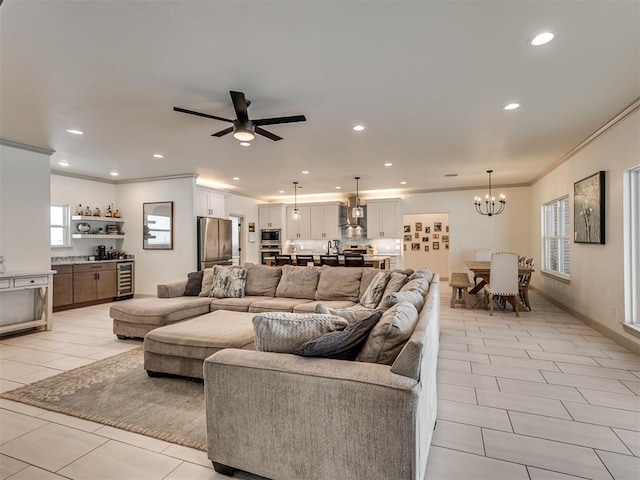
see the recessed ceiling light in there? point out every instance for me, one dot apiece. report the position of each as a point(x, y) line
point(75, 132)
point(358, 128)
point(245, 144)
point(403, 183)
point(280, 191)
point(158, 155)
point(63, 163)
point(512, 106)
point(388, 164)
point(338, 188)
point(114, 173)
point(236, 178)
point(305, 172)
point(541, 39)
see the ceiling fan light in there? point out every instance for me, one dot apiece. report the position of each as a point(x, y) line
point(243, 135)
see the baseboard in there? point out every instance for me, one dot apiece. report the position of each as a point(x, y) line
point(604, 330)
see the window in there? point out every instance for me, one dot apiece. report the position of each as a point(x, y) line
point(555, 237)
point(632, 245)
point(60, 226)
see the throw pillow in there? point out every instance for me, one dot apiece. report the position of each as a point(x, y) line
point(414, 297)
point(373, 294)
point(396, 282)
point(194, 284)
point(342, 344)
point(283, 332)
point(207, 278)
point(351, 314)
point(389, 335)
point(228, 282)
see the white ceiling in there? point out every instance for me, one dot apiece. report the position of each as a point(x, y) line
point(428, 79)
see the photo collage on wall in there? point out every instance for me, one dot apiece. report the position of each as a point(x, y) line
point(421, 238)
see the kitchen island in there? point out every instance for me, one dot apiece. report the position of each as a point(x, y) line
point(383, 262)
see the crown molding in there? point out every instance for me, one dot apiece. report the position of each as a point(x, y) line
point(24, 146)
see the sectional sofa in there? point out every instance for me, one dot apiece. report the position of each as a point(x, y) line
point(285, 416)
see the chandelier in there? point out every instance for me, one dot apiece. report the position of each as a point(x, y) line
point(358, 211)
point(488, 207)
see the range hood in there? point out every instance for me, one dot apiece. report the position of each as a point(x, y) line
point(355, 227)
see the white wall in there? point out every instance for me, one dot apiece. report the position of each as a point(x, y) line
point(596, 288)
point(249, 208)
point(73, 191)
point(160, 266)
point(510, 231)
point(24, 224)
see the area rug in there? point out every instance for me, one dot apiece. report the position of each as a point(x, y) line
point(117, 392)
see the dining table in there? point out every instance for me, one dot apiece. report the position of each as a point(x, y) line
point(482, 269)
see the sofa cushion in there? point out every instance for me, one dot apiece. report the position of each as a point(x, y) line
point(262, 280)
point(373, 294)
point(412, 296)
point(283, 332)
point(421, 284)
point(351, 314)
point(207, 279)
point(312, 307)
point(337, 283)
point(194, 284)
point(158, 311)
point(241, 304)
point(389, 335)
point(341, 344)
point(278, 304)
point(396, 282)
point(228, 282)
point(424, 272)
point(298, 282)
point(368, 274)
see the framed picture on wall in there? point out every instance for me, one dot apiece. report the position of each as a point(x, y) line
point(415, 246)
point(446, 246)
point(427, 229)
point(426, 248)
point(436, 245)
point(588, 209)
point(418, 226)
point(416, 235)
point(407, 229)
point(407, 238)
point(447, 227)
point(445, 238)
point(436, 235)
point(425, 239)
point(437, 226)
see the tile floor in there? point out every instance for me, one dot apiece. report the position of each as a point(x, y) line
point(543, 397)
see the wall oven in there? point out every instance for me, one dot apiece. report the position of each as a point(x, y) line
point(270, 237)
point(269, 252)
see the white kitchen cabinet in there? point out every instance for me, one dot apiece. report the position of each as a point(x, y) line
point(384, 219)
point(299, 229)
point(325, 221)
point(210, 203)
point(271, 217)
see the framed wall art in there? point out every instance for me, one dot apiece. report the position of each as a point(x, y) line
point(588, 209)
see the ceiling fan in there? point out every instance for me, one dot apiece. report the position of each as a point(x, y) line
point(243, 128)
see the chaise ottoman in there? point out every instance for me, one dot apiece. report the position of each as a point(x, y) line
point(181, 348)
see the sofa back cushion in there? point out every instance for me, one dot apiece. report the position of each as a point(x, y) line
point(207, 279)
point(228, 282)
point(396, 282)
point(421, 284)
point(389, 335)
point(298, 282)
point(339, 283)
point(373, 294)
point(424, 272)
point(283, 332)
point(368, 274)
point(262, 280)
point(351, 314)
point(413, 297)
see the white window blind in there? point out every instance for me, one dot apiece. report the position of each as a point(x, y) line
point(555, 237)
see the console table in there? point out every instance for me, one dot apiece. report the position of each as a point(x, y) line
point(41, 283)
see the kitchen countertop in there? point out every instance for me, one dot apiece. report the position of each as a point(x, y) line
point(86, 260)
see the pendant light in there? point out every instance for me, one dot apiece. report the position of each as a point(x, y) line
point(490, 202)
point(358, 211)
point(295, 213)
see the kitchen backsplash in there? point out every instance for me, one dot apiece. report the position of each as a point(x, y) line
point(318, 247)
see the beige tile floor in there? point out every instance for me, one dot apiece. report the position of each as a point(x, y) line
point(542, 397)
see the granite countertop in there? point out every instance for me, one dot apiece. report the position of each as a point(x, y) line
point(80, 260)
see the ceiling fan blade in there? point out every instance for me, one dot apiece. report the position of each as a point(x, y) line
point(240, 105)
point(222, 132)
point(273, 121)
point(191, 112)
point(267, 134)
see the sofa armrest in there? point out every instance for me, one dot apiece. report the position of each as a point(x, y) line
point(171, 290)
point(313, 418)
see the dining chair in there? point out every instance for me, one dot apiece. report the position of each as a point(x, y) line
point(504, 279)
point(303, 260)
point(331, 260)
point(283, 260)
point(354, 261)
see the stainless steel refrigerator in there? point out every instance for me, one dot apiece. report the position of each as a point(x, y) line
point(214, 242)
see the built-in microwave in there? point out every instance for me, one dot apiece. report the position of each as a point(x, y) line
point(270, 237)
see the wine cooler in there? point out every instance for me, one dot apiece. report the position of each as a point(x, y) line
point(125, 280)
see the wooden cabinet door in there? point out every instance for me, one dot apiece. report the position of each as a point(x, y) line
point(106, 284)
point(84, 287)
point(62, 289)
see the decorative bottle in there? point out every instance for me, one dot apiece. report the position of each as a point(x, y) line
point(79, 210)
